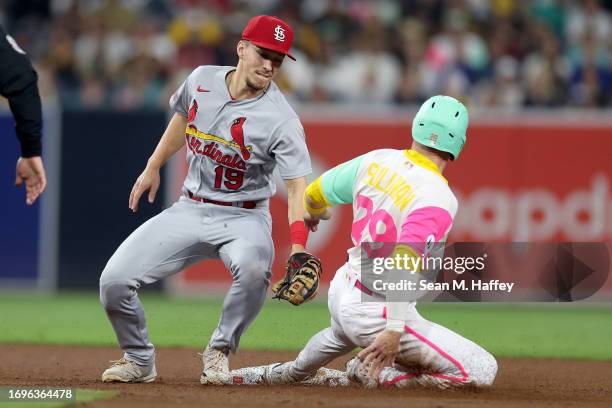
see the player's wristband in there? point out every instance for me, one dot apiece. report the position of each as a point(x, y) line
point(313, 211)
point(298, 233)
point(395, 325)
point(314, 194)
point(396, 313)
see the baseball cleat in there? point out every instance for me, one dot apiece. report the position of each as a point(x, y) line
point(358, 374)
point(328, 377)
point(278, 374)
point(127, 371)
point(216, 368)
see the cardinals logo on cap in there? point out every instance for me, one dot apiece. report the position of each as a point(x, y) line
point(269, 32)
point(279, 33)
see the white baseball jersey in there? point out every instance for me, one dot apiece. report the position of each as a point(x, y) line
point(397, 196)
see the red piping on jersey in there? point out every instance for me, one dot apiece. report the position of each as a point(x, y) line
point(464, 375)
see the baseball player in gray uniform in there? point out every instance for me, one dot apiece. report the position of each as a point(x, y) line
point(237, 127)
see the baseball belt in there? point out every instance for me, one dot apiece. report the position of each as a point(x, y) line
point(363, 288)
point(242, 204)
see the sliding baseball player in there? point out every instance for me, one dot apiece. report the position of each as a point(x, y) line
point(397, 196)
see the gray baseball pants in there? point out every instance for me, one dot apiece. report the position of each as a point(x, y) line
point(186, 233)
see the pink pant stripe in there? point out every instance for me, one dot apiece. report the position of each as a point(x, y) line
point(400, 378)
point(464, 374)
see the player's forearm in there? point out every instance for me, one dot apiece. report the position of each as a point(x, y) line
point(171, 142)
point(295, 213)
point(295, 192)
point(24, 102)
point(397, 314)
point(18, 83)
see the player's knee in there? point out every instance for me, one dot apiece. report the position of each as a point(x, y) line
point(484, 374)
point(490, 371)
point(253, 274)
point(114, 293)
point(115, 269)
point(256, 279)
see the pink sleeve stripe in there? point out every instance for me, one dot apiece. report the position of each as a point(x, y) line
point(422, 223)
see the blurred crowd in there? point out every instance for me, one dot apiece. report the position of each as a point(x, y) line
point(125, 54)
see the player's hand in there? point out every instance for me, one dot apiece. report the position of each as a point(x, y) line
point(148, 180)
point(32, 171)
point(381, 353)
point(312, 221)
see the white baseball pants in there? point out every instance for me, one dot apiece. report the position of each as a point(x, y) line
point(430, 355)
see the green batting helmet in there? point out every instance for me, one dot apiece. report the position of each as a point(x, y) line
point(441, 123)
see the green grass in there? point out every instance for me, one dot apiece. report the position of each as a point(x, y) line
point(82, 396)
point(546, 330)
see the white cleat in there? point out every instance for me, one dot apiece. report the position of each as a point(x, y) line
point(359, 375)
point(328, 378)
point(278, 374)
point(216, 368)
point(127, 371)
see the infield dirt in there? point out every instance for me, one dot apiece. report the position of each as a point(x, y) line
point(520, 382)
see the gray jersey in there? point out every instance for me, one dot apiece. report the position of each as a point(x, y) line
point(233, 146)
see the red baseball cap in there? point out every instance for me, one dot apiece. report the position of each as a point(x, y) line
point(269, 32)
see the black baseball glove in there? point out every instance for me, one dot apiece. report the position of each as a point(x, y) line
point(301, 281)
